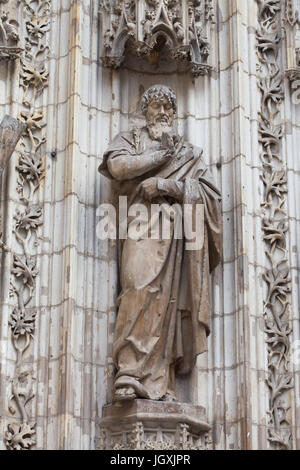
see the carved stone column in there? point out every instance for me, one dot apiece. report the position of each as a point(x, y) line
point(153, 425)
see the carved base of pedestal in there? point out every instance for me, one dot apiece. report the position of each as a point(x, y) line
point(149, 425)
point(10, 52)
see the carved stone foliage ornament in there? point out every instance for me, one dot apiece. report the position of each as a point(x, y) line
point(158, 29)
point(9, 36)
point(274, 175)
point(28, 219)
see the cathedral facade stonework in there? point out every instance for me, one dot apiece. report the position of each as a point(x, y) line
point(115, 341)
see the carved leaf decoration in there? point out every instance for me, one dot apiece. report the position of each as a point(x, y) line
point(30, 75)
point(279, 383)
point(274, 226)
point(20, 436)
point(275, 90)
point(279, 281)
point(37, 27)
point(269, 7)
point(33, 79)
point(275, 183)
point(22, 322)
point(32, 121)
point(280, 335)
point(31, 219)
point(25, 269)
point(275, 233)
point(272, 89)
point(283, 412)
point(279, 439)
point(268, 42)
point(270, 134)
point(37, 8)
point(30, 166)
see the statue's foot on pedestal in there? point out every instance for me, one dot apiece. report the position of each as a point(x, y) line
point(129, 388)
point(124, 393)
point(169, 397)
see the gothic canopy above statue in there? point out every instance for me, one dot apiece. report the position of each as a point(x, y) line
point(170, 30)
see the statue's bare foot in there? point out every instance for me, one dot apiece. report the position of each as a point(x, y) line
point(124, 393)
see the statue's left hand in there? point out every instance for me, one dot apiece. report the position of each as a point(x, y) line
point(149, 189)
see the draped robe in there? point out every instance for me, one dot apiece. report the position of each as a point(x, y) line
point(163, 316)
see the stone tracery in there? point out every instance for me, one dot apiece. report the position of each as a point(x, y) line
point(156, 27)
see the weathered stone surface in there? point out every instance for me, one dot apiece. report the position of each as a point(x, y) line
point(148, 424)
point(10, 132)
point(85, 105)
point(164, 308)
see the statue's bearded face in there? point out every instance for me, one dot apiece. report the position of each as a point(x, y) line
point(159, 116)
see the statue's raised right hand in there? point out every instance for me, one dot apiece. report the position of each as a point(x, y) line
point(167, 142)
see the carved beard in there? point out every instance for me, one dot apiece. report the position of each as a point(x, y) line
point(157, 128)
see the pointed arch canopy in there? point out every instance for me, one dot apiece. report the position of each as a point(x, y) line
point(170, 30)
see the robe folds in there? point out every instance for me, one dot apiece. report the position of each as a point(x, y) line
point(164, 307)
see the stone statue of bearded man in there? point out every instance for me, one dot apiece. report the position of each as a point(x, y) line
point(164, 304)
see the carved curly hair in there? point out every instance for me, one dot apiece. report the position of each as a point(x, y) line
point(158, 93)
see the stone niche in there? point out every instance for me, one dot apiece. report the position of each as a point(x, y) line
point(153, 425)
point(145, 43)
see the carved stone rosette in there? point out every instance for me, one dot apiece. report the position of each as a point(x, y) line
point(153, 425)
point(28, 218)
point(274, 175)
point(158, 29)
